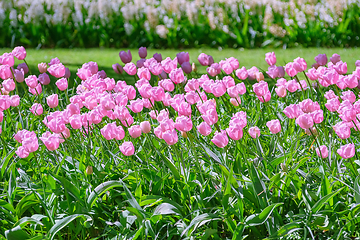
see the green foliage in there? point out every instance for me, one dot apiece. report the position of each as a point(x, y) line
point(181, 24)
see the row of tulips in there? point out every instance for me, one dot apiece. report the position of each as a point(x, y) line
point(103, 101)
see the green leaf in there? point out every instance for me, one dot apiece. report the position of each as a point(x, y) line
point(199, 221)
point(101, 189)
point(357, 189)
point(319, 204)
point(60, 224)
point(166, 208)
point(285, 230)
point(69, 187)
point(16, 234)
point(27, 220)
point(258, 219)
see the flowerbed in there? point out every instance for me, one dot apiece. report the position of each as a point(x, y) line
point(179, 24)
point(232, 153)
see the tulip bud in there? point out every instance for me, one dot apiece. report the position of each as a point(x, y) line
point(194, 68)
point(283, 167)
point(89, 170)
point(184, 135)
point(42, 67)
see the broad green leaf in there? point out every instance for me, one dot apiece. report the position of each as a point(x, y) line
point(16, 234)
point(27, 220)
point(285, 230)
point(166, 208)
point(69, 187)
point(199, 221)
point(101, 189)
point(60, 224)
point(319, 204)
point(258, 219)
point(357, 189)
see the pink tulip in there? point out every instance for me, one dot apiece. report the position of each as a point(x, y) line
point(62, 84)
point(220, 139)
point(312, 74)
point(305, 121)
point(335, 58)
point(322, 152)
point(30, 144)
point(183, 124)
point(290, 69)
point(342, 130)
point(351, 81)
point(170, 137)
point(177, 76)
point(205, 60)
point(169, 65)
point(265, 98)
point(292, 111)
point(321, 59)
point(234, 132)
point(204, 129)
point(125, 56)
point(254, 132)
point(56, 125)
point(19, 52)
point(135, 131)
point(158, 93)
point(117, 68)
point(53, 100)
point(308, 106)
point(300, 64)
point(261, 88)
point(127, 148)
point(19, 75)
point(36, 109)
point(75, 121)
point(14, 100)
point(57, 70)
point(136, 105)
point(273, 71)
point(7, 59)
point(227, 68)
point(44, 79)
point(9, 84)
point(51, 141)
point(24, 67)
point(347, 151)
point(270, 58)
point(21, 152)
point(42, 67)
point(5, 102)
point(130, 68)
point(341, 67)
point(241, 73)
point(274, 126)
point(31, 81)
point(281, 91)
point(145, 127)
point(54, 61)
point(144, 73)
point(218, 89)
point(333, 104)
point(318, 116)
point(330, 94)
point(109, 131)
point(348, 95)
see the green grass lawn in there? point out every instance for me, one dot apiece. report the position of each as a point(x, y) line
point(74, 58)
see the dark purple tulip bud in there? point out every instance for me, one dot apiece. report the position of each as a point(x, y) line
point(125, 56)
point(142, 52)
point(157, 57)
point(186, 67)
